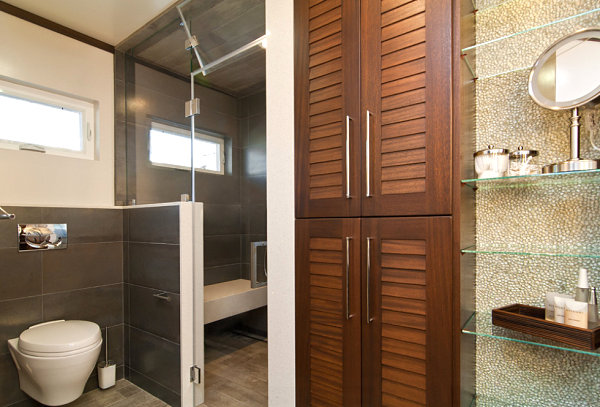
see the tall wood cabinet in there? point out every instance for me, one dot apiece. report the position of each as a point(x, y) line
point(373, 106)
point(373, 202)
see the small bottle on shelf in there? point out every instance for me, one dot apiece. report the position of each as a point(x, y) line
point(582, 292)
point(593, 308)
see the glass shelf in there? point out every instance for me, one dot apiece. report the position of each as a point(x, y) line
point(479, 400)
point(578, 252)
point(530, 29)
point(480, 324)
point(506, 54)
point(518, 181)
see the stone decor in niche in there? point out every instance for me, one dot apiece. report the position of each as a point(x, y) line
point(564, 215)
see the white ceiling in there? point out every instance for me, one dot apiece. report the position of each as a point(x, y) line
point(110, 21)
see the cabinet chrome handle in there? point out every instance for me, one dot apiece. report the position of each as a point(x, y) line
point(348, 118)
point(369, 319)
point(368, 155)
point(348, 315)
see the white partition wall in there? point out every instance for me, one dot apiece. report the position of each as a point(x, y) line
point(191, 244)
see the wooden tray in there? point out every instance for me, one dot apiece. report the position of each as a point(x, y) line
point(531, 320)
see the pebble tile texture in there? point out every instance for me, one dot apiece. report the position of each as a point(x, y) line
point(564, 216)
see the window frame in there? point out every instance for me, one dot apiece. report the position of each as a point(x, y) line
point(87, 109)
point(185, 132)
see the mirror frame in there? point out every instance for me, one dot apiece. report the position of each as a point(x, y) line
point(533, 88)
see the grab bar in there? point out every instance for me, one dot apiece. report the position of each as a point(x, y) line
point(6, 215)
point(162, 296)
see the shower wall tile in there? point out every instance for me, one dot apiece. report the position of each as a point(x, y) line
point(154, 315)
point(155, 358)
point(10, 392)
point(20, 274)
point(154, 265)
point(221, 250)
point(82, 265)
point(255, 219)
point(102, 305)
point(156, 225)
point(115, 344)
point(222, 219)
point(220, 274)
point(154, 388)
point(18, 315)
point(255, 190)
point(151, 333)
point(87, 225)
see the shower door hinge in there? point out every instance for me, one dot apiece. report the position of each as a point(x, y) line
point(195, 374)
point(192, 107)
point(191, 42)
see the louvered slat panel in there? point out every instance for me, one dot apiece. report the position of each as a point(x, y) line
point(403, 391)
point(325, 143)
point(403, 318)
point(388, 400)
point(413, 350)
point(326, 306)
point(326, 105)
point(405, 10)
point(410, 364)
point(403, 85)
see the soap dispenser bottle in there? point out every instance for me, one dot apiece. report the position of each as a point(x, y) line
point(582, 292)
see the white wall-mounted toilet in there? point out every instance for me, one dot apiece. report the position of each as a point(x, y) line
point(55, 359)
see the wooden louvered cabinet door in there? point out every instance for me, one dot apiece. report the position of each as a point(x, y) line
point(406, 73)
point(407, 326)
point(328, 335)
point(327, 108)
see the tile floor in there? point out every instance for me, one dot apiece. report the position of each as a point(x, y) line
point(235, 371)
point(235, 376)
point(123, 394)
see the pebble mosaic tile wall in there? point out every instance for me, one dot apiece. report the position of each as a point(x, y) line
point(561, 217)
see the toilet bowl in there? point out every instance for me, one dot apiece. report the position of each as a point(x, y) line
point(55, 359)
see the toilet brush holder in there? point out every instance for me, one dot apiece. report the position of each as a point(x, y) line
point(107, 373)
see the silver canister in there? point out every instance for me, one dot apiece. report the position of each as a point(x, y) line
point(491, 162)
point(522, 162)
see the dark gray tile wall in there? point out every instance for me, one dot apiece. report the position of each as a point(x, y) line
point(151, 95)
point(253, 115)
point(152, 325)
point(84, 281)
point(254, 180)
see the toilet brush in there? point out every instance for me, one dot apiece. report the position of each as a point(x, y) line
point(107, 369)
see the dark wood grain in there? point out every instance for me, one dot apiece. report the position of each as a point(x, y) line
point(327, 89)
point(407, 348)
point(406, 73)
point(328, 366)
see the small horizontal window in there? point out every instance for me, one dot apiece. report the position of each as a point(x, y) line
point(38, 120)
point(170, 147)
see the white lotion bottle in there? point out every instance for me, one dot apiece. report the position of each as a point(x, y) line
point(582, 292)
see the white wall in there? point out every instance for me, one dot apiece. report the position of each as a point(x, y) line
point(280, 201)
point(39, 56)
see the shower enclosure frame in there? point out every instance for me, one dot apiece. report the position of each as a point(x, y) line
point(192, 353)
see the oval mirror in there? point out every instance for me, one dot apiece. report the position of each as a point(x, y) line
point(567, 74)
